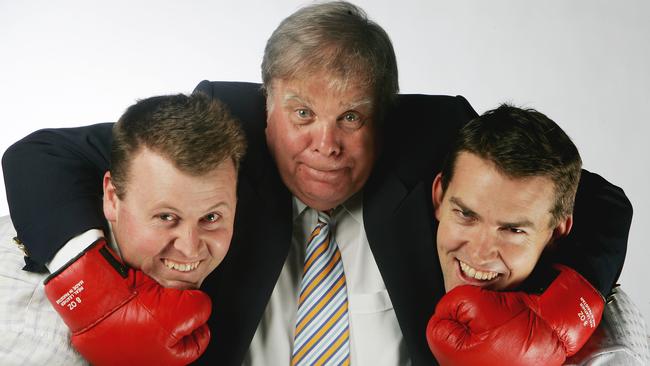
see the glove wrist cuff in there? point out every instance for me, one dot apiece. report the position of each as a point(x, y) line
point(89, 287)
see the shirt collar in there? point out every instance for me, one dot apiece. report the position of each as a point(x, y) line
point(112, 242)
point(353, 206)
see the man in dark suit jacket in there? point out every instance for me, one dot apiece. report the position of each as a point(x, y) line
point(337, 139)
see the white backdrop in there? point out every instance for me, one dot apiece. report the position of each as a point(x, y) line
point(585, 63)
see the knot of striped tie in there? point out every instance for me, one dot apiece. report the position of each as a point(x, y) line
point(322, 333)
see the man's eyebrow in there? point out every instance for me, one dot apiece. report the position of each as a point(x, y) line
point(516, 224)
point(215, 206)
point(350, 105)
point(166, 206)
point(524, 222)
point(359, 103)
point(288, 97)
point(466, 210)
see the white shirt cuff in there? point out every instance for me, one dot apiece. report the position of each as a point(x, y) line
point(72, 248)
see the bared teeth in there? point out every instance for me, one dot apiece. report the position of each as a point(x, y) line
point(182, 267)
point(476, 274)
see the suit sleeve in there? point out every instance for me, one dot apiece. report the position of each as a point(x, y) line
point(597, 243)
point(53, 179)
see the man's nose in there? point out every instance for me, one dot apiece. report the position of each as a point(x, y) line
point(188, 241)
point(484, 245)
point(326, 139)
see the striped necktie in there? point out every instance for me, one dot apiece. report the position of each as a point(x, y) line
point(322, 333)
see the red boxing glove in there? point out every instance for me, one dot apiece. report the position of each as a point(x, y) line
point(474, 326)
point(119, 315)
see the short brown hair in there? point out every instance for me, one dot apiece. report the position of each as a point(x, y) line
point(522, 143)
point(194, 132)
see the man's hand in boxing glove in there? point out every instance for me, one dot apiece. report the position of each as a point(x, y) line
point(474, 326)
point(118, 315)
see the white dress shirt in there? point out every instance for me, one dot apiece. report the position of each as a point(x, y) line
point(31, 331)
point(375, 335)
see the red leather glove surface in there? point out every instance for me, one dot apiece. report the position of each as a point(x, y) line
point(474, 326)
point(121, 316)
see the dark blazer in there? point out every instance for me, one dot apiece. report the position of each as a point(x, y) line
point(398, 215)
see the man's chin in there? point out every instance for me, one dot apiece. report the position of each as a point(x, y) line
point(177, 284)
point(322, 196)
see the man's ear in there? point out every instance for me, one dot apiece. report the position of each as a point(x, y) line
point(437, 194)
point(563, 228)
point(110, 198)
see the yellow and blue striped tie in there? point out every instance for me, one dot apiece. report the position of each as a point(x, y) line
point(322, 334)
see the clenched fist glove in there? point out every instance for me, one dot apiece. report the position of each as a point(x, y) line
point(474, 326)
point(118, 315)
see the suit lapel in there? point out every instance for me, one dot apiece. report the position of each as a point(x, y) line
point(398, 223)
point(243, 283)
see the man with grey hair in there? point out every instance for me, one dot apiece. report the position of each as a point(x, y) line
point(333, 259)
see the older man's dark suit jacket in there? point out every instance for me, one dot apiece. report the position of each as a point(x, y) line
point(54, 191)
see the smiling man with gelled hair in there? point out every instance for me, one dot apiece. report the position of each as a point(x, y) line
point(504, 195)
